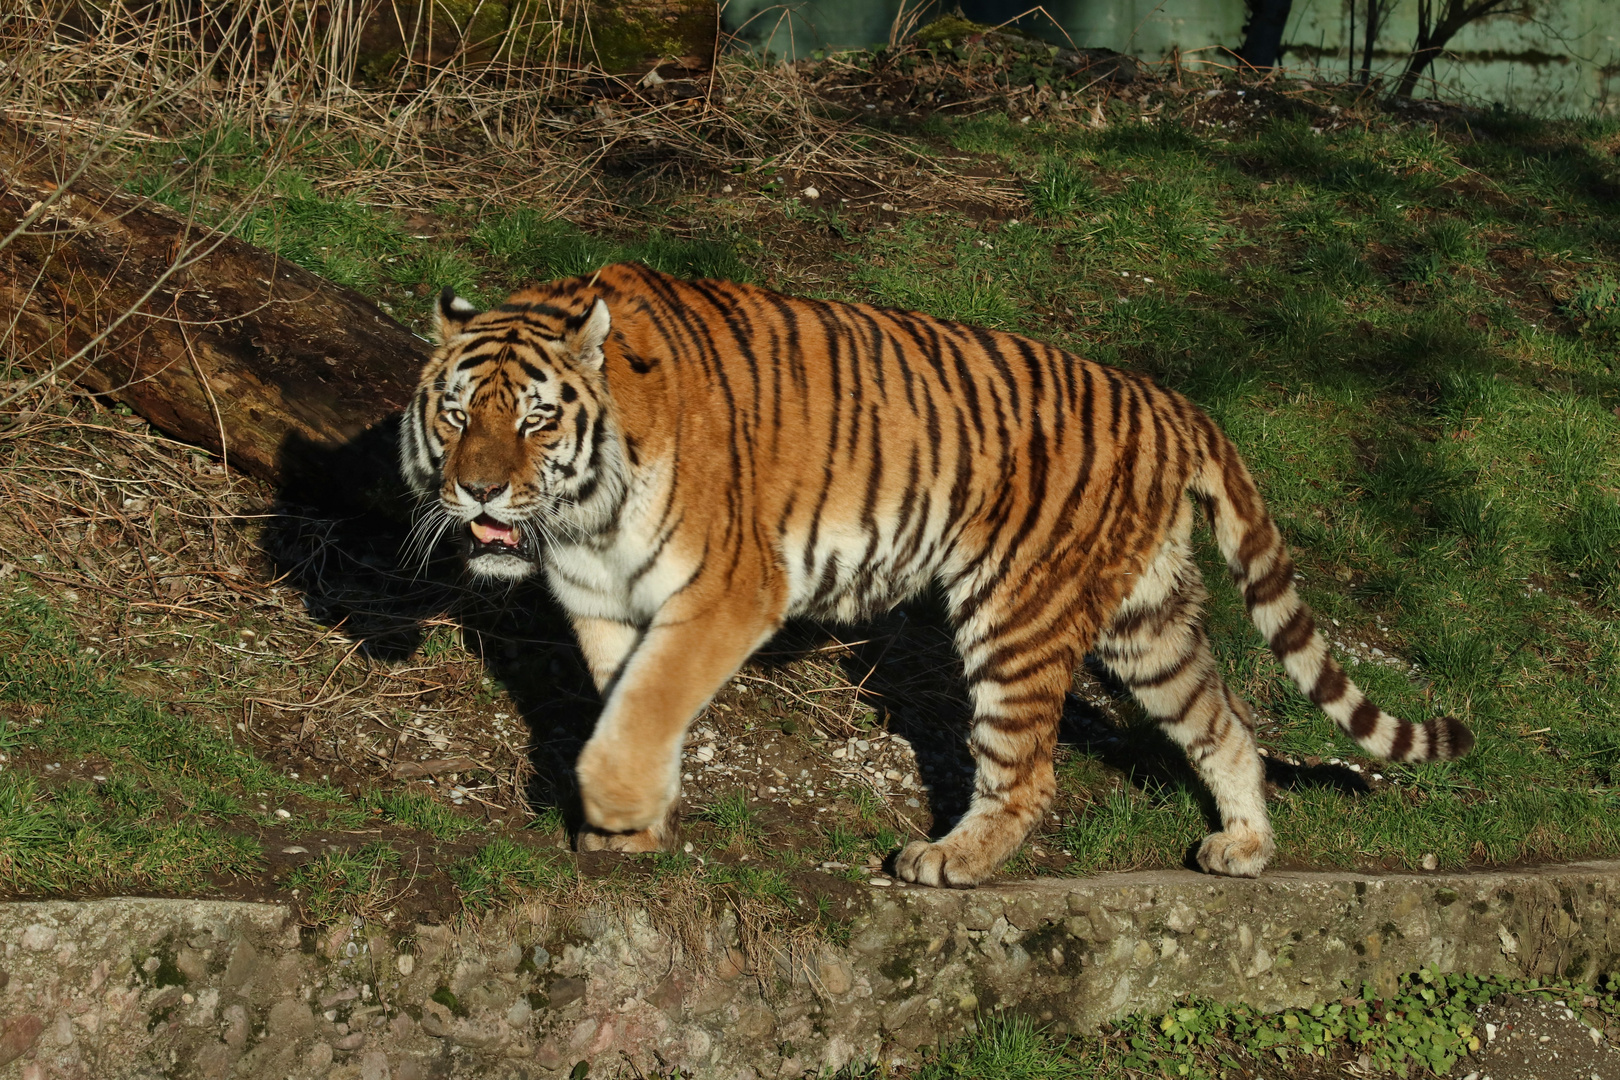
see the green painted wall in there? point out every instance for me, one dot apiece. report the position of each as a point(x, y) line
point(1565, 60)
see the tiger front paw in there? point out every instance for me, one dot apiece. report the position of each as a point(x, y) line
point(943, 865)
point(1239, 851)
point(623, 793)
point(661, 837)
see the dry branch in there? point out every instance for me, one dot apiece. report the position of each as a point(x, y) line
point(224, 345)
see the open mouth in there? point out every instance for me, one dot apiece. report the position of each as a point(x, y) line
point(491, 537)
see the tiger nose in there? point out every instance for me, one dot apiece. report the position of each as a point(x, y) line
point(481, 491)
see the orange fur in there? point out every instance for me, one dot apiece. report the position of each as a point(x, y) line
point(691, 463)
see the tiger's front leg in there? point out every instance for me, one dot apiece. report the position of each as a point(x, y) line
point(630, 771)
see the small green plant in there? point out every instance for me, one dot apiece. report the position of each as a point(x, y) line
point(1059, 189)
point(497, 872)
point(345, 884)
point(752, 882)
point(1596, 304)
point(736, 820)
point(416, 809)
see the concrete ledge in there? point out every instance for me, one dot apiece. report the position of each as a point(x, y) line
point(180, 988)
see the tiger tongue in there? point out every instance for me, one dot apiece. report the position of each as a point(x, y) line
point(489, 531)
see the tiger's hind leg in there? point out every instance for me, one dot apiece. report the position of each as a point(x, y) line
point(1017, 676)
point(1156, 645)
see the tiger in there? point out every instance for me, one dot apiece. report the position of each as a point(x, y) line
point(691, 463)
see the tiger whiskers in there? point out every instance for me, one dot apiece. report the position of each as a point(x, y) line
point(429, 523)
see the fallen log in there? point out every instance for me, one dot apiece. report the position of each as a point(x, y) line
point(214, 341)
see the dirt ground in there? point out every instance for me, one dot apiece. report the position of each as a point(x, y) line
point(1528, 1039)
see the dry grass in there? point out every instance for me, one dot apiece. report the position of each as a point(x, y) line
point(528, 118)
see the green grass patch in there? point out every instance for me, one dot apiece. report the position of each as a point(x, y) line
point(156, 815)
point(733, 818)
point(501, 870)
point(1424, 1027)
point(419, 810)
point(351, 884)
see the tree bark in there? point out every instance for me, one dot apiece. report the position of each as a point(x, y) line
point(222, 344)
point(1433, 35)
point(1262, 38)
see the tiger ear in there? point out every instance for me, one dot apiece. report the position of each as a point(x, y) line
point(453, 314)
point(586, 334)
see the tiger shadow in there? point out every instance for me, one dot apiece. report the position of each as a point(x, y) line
point(912, 679)
point(340, 532)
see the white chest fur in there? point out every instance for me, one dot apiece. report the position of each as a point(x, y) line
point(625, 573)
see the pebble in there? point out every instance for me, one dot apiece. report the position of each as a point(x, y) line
point(38, 938)
point(294, 849)
point(1430, 862)
point(283, 814)
point(704, 753)
point(811, 193)
point(405, 964)
point(881, 882)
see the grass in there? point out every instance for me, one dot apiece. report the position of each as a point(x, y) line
point(502, 870)
point(1427, 1026)
point(352, 884)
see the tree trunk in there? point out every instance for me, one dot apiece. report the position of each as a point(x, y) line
point(223, 344)
point(1262, 38)
point(1434, 36)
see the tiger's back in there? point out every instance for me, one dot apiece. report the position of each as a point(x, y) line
point(723, 457)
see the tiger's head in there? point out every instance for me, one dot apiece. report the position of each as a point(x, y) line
point(507, 438)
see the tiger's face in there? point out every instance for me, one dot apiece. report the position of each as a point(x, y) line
point(507, 430)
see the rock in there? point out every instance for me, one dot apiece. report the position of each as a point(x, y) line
point(319, 1057)
point(564, 992)
point(733, 965)
point(192, 964)
point(17, 1036)
point(213, 1061)
point(348, 993)
point(711, 997)
point(236, 1028)
point(436, 1019)
point(38, 937)
point(374, 1066)
point(352, 1041)
point(479, 1034)
point(508, 958)
point(244, 961)
point(837, 977)
point(405, 963)
point(289, 1021)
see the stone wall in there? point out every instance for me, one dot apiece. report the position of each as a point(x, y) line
point(174, 988)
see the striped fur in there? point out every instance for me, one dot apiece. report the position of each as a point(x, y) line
point(691, 463)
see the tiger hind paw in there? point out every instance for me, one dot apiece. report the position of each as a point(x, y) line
point(942, 865)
